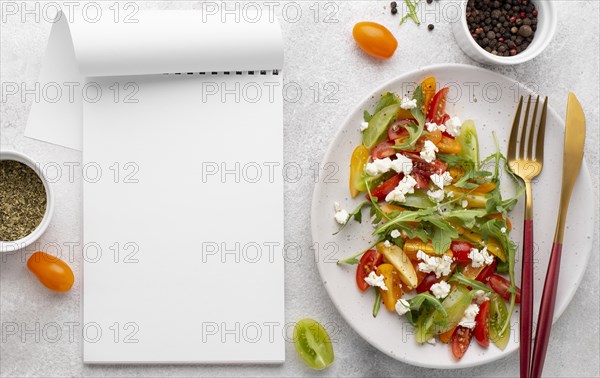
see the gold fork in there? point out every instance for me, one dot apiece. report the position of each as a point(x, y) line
point(527, 164)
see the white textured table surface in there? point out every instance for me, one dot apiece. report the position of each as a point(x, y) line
point(334, 75)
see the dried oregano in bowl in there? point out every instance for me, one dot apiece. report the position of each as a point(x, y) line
point(23, 200)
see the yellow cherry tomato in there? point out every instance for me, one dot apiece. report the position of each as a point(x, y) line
point(428, 88)
point(375, 39)
point(52, 272)
point(448, 145)
point(359, 158)
point(392, 281)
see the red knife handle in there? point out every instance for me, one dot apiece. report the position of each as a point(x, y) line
point(546, 312)
point(525, 335)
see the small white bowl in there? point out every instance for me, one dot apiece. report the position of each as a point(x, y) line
point(546, 27)
point(6, 246)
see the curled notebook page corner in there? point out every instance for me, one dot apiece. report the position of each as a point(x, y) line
point(158, 42)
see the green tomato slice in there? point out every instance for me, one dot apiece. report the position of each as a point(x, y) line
point(378, 125)
point(498, 316)
point(313, 344)
point(469, 142)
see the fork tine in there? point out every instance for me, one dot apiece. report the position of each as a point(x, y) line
point(523, 139)
point(514, 131)
point(539, 148)
point(532, 129)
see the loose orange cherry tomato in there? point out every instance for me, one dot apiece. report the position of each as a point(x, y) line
point(375, 39)
point(54, 273)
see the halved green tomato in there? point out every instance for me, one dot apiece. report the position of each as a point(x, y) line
point(469, 142)
point(378, 125)
point(313, 344)
point(498, 316)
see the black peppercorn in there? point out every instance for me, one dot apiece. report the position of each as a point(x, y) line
point(430, 27)
point(394, 10)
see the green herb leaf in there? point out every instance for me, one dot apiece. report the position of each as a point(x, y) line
point(377, 304)
point(467, 216)
point(355, 214)
point(461, 278)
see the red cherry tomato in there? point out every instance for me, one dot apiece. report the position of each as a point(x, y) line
point(460, 250)
point(375, 39)
point(443, 121)
point(437, 109)
point(386, 187)
point(398, 129)
point(422, 180)
point(383, 150)
point(461, 338)
point(501, 286)
point(487, 272)
point(368, 262)
point(427, 282)
point(482, 324)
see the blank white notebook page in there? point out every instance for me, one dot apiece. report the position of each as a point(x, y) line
point(183, 219)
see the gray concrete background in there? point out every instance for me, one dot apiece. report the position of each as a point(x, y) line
point(322, 60)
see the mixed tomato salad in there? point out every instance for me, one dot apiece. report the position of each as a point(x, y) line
point(443, 256)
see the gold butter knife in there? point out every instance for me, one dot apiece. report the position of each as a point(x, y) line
point(573, 155)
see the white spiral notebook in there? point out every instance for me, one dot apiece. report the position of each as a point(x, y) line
point(183, 186)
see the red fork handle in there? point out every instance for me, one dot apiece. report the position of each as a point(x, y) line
point(546, 312)
point(525, 335)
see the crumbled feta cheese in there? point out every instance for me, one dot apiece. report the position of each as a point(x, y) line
point(402, 164)
point(436, 195)
point(428, 151)
point(453, 126)
point(377, 281)
point(395, 234)
point(440, 290)
point(431, 341)
point(439, 265)
point(408, 103)
point(378, 166)
point(405, 186)
point(402, 306)
point(341, 216)
point(464, 204)
point(432, 126)
point(480, 258)
point(503, 230)
point(441, 180)
point(480, 296)
point(364, 126)
point(387, 243)
point(468, 319)
point(450, 194)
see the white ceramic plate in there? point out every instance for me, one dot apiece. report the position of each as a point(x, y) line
point(490, 100)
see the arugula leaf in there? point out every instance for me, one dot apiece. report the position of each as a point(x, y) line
point(467, 216)
point(461, 278)
point(377, 304)
point(443, 234)
point(355, 214)
point(405, 216)
point(352, 260)
point(412, 12)
point(415, 130)
point(493, 227)
point(419, 301)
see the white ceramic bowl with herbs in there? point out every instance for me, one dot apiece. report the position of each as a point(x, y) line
point(26, 201)
point(545, 27)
